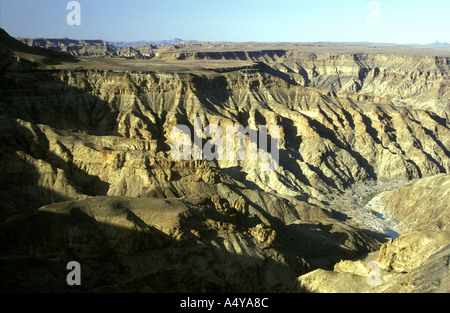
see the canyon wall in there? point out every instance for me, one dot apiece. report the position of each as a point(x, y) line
point(88, 172)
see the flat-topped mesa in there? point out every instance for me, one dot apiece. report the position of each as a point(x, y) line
point(409, 76)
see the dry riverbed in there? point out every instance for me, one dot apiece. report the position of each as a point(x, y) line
point(361, 206)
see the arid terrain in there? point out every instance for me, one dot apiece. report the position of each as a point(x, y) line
point(88, 174)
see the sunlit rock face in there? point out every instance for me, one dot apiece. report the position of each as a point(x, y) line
point(88, 171)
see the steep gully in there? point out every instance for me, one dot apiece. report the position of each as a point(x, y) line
point(71, 137)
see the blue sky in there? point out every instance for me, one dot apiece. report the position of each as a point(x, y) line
point(390, 21)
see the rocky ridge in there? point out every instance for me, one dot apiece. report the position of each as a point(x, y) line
point(92, 48)
point(417, 79)
point(416, 261)
point(86, 155)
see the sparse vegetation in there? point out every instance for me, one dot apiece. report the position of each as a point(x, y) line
point(374, 212)
point(366, 199)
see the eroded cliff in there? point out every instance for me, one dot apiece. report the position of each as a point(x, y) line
point(86, 156)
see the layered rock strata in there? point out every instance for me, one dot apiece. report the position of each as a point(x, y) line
point(416, 261)
point(88, 172)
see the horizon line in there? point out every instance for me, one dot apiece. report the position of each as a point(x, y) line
point(180, 40)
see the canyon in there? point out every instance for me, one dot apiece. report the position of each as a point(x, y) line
point(88, 175)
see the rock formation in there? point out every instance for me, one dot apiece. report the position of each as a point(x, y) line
point(172, 245)
point(421, 204)
point(88, 172)
point(416, 261)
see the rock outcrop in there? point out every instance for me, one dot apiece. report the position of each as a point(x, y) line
point(416, 79)
point(88, 174)
point(91, 48)
point(416, 261)
point(172, 245)
point(421, 204)
point(326, 142)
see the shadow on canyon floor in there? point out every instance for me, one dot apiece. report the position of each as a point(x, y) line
point(142, 258)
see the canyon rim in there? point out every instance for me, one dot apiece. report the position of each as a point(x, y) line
point(88, 172)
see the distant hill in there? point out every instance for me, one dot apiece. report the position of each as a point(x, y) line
point(438, 43)
point(123, 49)
point(158, 43)
point(8, 42)
point(16, 54)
